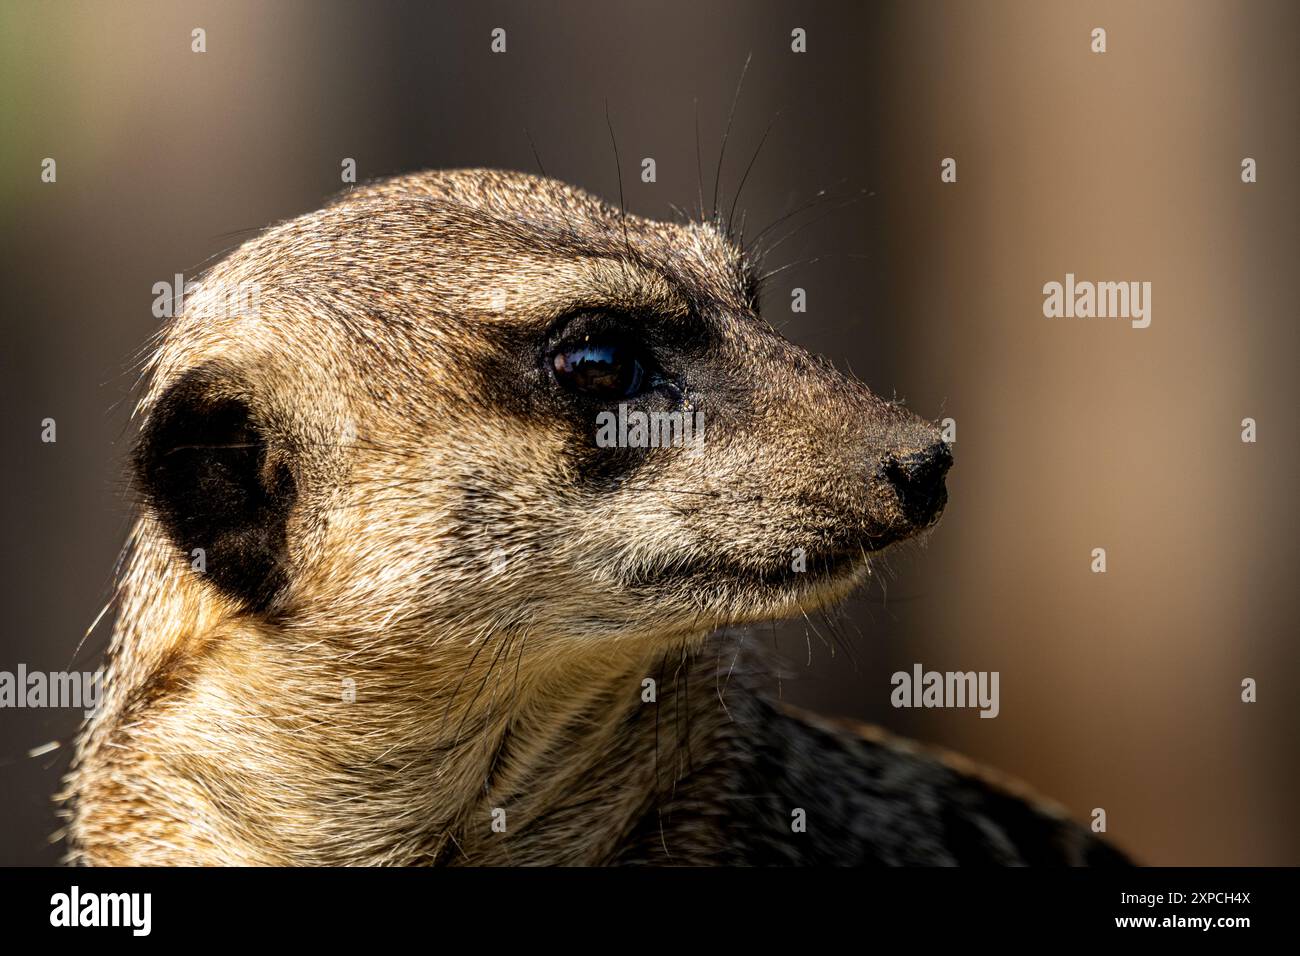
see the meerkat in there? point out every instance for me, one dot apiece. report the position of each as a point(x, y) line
point(388, 601)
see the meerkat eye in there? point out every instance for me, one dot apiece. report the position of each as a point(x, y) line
point(599, 369)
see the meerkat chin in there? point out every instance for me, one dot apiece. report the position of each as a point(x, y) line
point(424, 559)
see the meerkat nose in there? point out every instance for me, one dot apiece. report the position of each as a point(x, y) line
point(918, 480)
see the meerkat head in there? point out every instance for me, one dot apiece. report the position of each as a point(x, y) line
point(427, 412)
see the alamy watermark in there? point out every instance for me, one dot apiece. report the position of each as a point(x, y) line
point(74, 908)
point(1099, 300)
point(922, 688)
point(76, 690)
point(221, 299)
point(637, 429)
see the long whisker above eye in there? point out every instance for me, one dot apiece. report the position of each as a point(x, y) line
point(622, 204)
point(731, 215)
point(726, 133)
point(533, 146)
point(699, 169)
point(819, 197)
point(794, 231)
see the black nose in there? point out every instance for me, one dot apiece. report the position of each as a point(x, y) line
point(918, 481)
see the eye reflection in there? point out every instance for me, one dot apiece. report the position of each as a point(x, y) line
point(599, 370)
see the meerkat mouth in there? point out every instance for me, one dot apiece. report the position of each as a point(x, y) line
point(799, 571)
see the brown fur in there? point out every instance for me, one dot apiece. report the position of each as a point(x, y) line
point(388, 376)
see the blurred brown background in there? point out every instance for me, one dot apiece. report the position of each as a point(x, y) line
point(1120, 690)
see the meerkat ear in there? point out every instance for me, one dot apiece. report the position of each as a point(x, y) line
point(221, 493)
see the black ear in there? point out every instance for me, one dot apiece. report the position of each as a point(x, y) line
point(205, 467)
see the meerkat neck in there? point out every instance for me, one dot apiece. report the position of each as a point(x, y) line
point(257, 750)
point(579, 762)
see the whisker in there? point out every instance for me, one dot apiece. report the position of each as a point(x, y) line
point(699, 168)
point(753, 159)
point(767, 250)
point(819, 197)
point(717, 179)
point(533, 146)
point(622, 205)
